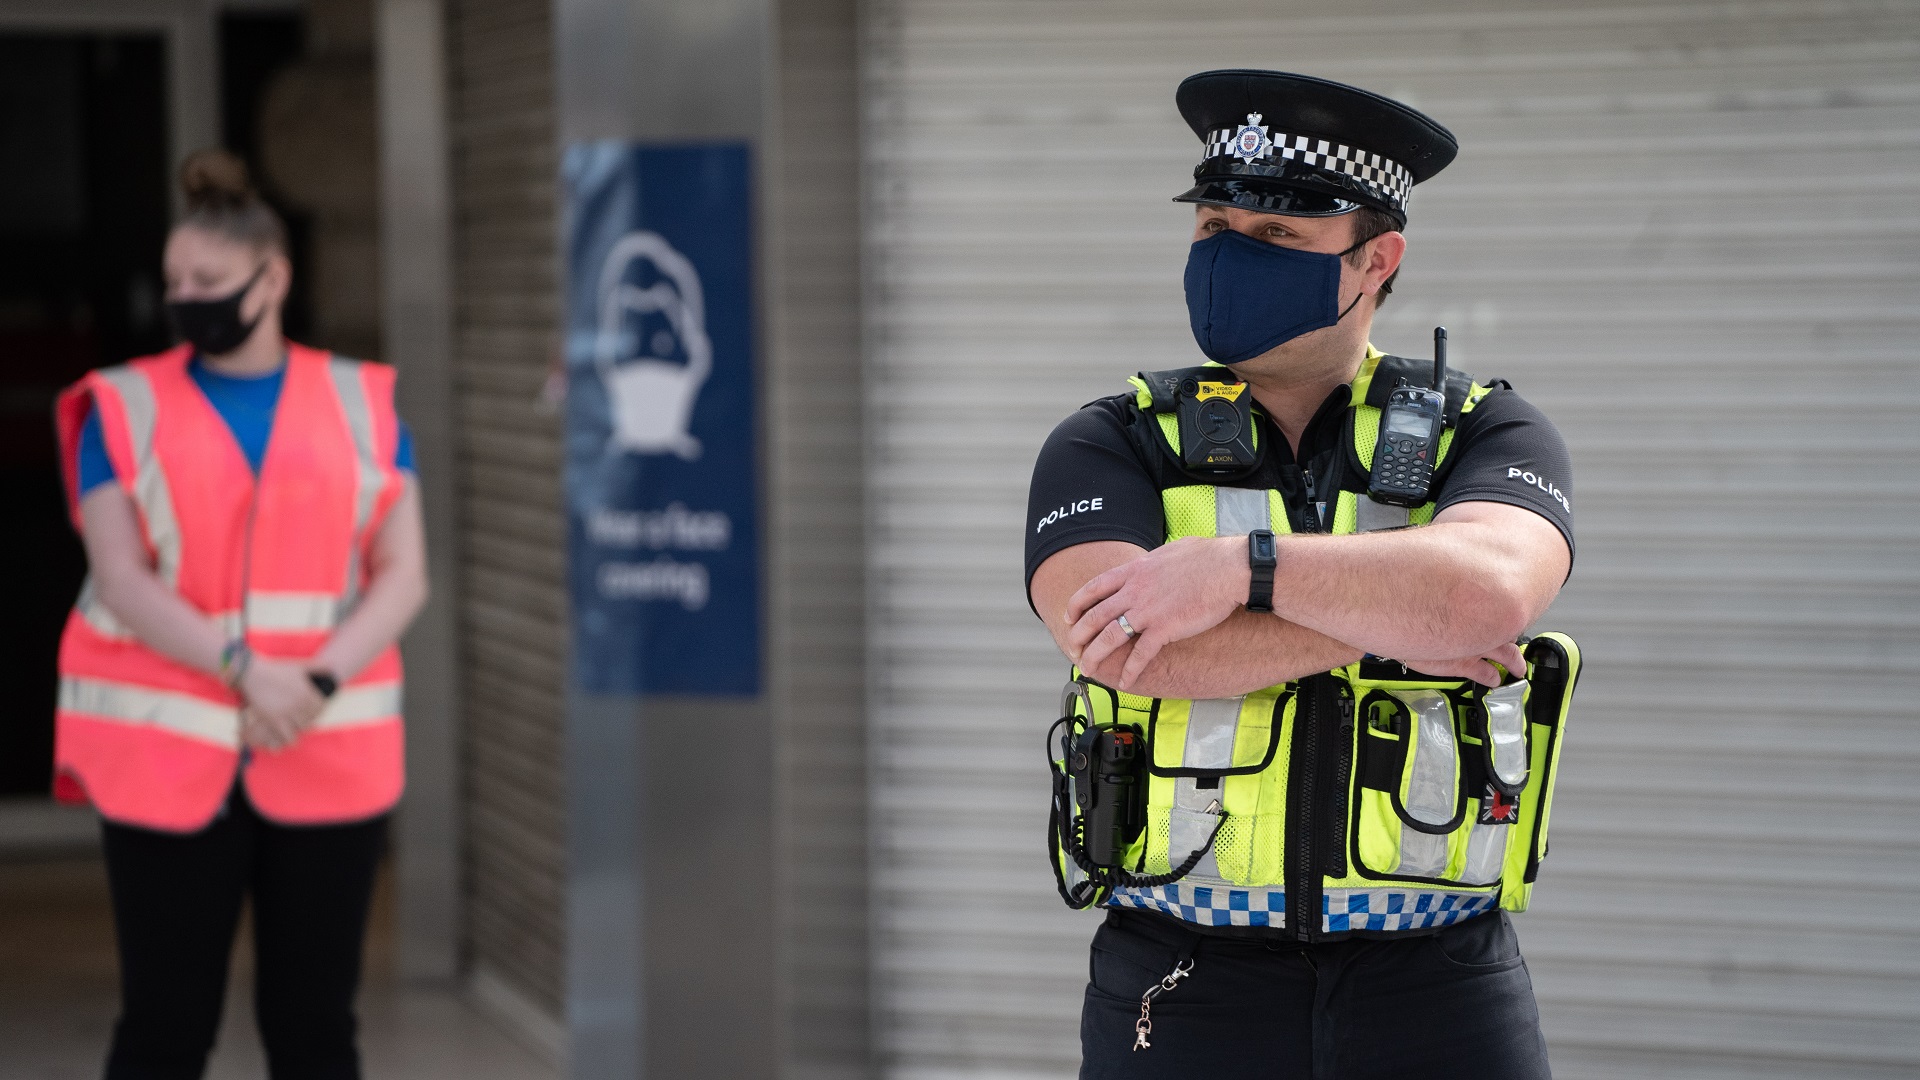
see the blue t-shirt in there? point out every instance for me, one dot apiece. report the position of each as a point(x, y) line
point(245, 402)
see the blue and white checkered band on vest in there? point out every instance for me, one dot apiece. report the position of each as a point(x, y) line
point(1252, 142)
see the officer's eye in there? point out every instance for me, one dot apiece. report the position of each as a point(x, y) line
point(1212, 225)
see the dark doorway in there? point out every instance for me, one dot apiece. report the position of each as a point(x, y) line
point(83, 213)
point(254, 46)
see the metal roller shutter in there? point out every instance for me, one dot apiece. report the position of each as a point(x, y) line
point(1684, 230)
point(817, 554)
point(512, 632)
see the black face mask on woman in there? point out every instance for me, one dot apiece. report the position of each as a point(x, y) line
point(214, 326)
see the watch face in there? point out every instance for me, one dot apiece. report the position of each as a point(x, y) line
point(1263, 547)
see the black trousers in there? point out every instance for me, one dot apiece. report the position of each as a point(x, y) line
point(176, 904)
point(1458, 1003)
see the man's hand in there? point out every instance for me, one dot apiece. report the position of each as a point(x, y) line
point(1480, 669)
point(1169, 594)
point(280, 703)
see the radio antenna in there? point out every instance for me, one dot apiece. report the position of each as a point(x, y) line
point(1440, 358)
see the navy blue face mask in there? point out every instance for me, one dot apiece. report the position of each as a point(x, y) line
point(1245, 296)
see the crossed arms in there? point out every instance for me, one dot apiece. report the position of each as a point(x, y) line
point(1447, 599)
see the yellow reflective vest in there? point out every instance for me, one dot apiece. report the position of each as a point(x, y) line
point(1367, 800)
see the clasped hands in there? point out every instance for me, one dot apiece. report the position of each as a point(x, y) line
point(1189, 586)
point(278, 702)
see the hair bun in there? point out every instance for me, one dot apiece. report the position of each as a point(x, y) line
point(215, 180)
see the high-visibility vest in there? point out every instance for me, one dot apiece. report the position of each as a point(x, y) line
point(1365, 800)
point(279, 558)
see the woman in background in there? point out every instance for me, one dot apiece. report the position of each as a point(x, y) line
point(230, 686)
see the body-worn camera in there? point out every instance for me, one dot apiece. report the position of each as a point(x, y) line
point(1108, 767)
point(1216, 425)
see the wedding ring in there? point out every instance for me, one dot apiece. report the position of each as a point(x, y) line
point(1126, 627)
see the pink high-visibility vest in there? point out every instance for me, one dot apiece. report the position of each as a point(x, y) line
point(279, 558)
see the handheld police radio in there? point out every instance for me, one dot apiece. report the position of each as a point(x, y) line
point(1409, 441)
point(1107, 767)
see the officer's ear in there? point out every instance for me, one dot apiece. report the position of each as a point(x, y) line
point(1382, 256)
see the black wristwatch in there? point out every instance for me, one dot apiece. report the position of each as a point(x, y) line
point(323, 682)
point(1262, 557)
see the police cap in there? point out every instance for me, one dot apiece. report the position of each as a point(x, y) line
point(1280, 143)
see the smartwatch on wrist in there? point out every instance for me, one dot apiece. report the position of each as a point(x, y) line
point(1262, 557)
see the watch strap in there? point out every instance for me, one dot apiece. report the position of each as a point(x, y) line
point(1262, 558)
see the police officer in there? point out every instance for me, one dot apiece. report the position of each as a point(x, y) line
point(1196, 574)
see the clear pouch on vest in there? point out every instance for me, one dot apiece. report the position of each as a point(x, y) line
point(1553, 671)
point(1453, 782)
point(1411, 798)
point(1212, 765)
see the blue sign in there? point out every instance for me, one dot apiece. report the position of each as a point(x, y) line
point(664, 557)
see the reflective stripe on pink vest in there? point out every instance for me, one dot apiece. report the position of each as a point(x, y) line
point(154, 742)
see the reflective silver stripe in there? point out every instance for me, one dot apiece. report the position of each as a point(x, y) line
point(1239, 511)
point(181, 714)
point(184, 714)
point(273, 612)
point(353, 402)
point(290, 612)
point(108, 625)
point(1370, 516)
point(1432, 784)
point(1421, 854)
point(1212, 724)
point(1486, 853)
point(1507, 728)
point(360, 705)
point(149, 482)
point(1191, 828)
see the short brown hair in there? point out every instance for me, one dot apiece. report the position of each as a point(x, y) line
point(1367, 224)
point(222, 200)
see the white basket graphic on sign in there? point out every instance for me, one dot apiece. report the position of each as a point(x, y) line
point(642, 329)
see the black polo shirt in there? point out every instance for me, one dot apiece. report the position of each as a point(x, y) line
point(1100, 474)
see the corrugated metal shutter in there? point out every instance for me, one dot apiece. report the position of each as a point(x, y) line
point(818, 603)
point(1684, 230)
point(512, 617)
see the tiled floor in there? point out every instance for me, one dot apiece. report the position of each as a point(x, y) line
point(58, 996)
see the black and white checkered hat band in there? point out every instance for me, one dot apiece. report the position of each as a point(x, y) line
point(1388, 176)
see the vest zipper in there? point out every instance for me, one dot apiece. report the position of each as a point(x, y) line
point(1342, 786)
point(1311, 517)
point(1302, 884)
point(1302, 877)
